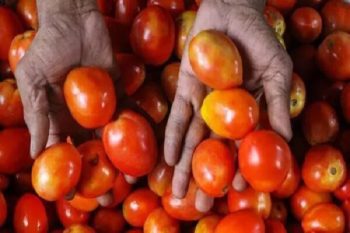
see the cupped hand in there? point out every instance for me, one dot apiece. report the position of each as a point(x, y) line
point(267, 69)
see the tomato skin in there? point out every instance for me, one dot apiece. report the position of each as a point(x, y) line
point(169, 78)
point(183, 25)
point(234, 223)
point(297, 96)
point(160, 178)
point(120, 190)
point(79, 228)
point(175, 7)
point(126, 10)
point(109, 220)
point(275, 19)
point(343, 192)
point(82, 203)
point(274, 226)
point(30, 215)
point(135, 151)
point(138, 205)
point(282, 5)
point(28, 12)
point(10, 26)
point(106, 7)
point(153, 35)
point(68, 215)
point(119, 34)
point(336, 15)
point(159, 221)
point(61, 159)
point(268, 172)
point(3, 209)
point(207, 224)
point(317, 219)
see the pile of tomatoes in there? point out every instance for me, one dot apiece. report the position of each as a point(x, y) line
point(297, 186)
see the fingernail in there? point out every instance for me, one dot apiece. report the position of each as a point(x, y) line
point(130, 179)
point(239, 184)
point(105, 200)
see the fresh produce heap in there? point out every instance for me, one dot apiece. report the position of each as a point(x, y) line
point(297, 186)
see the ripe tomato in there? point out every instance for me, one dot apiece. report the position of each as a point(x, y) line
point(333, 55)
point(215, 60)
point(336, 16)
point(30, 215)
point(343, 192)
point(264, 160)
point(169, 77)
point(11, 108)
point(160, 178)
point(132, 72)
point(183, 25)
point(153, 35)
point(297, 96)
point(320, 123)
point(106, 7)
point(274, 226)
point(79, 228)
point(90, 96)
point(3, 209)
point(275, 19)
point(82, 203)
point(109, 220)
point(345, 102)
point(10, 26)
point(213, 167)
point(304, 199)
point(119, 34)
point(28, 12)
point(260, 202)
point(304, 61)
point(68, 215)
point(282, 5)
point(138, 205)
point(120, 190)
point(207, 224)
point(175, 7)
point(278, 211)
point(239, 117)
point(317, 219)
point(14, 158)
point(159, 221)
point(126, 10)
point(130, 144)
point(242, 221)
point(62, 159)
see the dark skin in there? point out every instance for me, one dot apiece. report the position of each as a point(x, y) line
point(73, 34)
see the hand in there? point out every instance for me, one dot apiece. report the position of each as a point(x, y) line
point(267, 68)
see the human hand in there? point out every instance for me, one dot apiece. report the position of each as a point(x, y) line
point(267, 69)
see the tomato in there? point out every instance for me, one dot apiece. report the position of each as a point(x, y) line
point(264, 160)
point(345, 102)
point(278, 211)
point(3, 209)
point(10, 26)
point(4, 182)
point(282, 5)
point(326, 90)
point(153, 35)
point(27, 10)
point(169, 78)
point(260, 202)
point(152, 100)
point(313, 3)
point(343, 192)
point(132, 72)
point(159, 221)
point(274, 226)
point(304, 199)
point(183, 25)
point(120, 190)
point(79, 228)
point(138, 205)
point(297, 96)
point(90, 96)
point(130, 144)
point(320, 123)
point(106, 7)
point(62, 159)
point(317, 219)
point(160, 178)
point(30, 215)
point(230, 113)
point(306, 24)
point(175, 7)
point(242, 221)
point(275, 19)
point(68, 215)
point(11, 108)
point(182, 209)
point(215, 60)
point(126, 10)
point(346, 209)
point(14, 158)
point(304, 61)
point(82, 203)
point(333, 55)
point(108, 220)
point(336, 16)
point(207, 224)
point(119, 34)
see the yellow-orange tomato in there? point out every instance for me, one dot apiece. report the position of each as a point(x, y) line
point(56, 171)
point(183, 27)
point(90, 96)
point(160, 177)
point(159, 221)
point(207, 224)
point(82, 203)
point(216, 60)
point(275, 19)
point(297, 96)
point(230, 113)
point(27, 10)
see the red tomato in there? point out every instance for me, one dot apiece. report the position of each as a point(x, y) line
point(153, 35)
point(343, 192)
point(3, 209)
point(120, 190)
point(264, 160)
point(90, 96)
point(11, 108)
point(119, 34)
point(126, 10)
point(278, 211)
point(79, 228)
point(230, 113)
point(27, 10)
point(275, 19)
point(317, 219)
point(213, 167)
point(160, 178)
point(14, 158)
point(106, 7)
point(138, 205)
point(242, 221)
point(62, 159)
point(82, 203)
point(159, 221)
point(282, 5)
point(274, 226)
point(336, 16)
point(10, 26)
point(297, 96)
point(304, 61)
point(175, 7)
point(30, 215)
point(345, 102)
point(169, 77)
point(130, 144)
point(183, 26)
point(109, 220)
point(68, 215)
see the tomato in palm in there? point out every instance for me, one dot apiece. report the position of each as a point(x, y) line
point(343, 192)
point(90, 96)
point(159, 221)
point(160, 178)
point(183, 27)
point(130, 144)
point(10, 26)
point(278, 210)
point(207, 224)
point(336, 16)
point(242, 221)
point(11, 108)
point(126, 10)
point(68, 215)
point(345, 102)
point(282, 5)
point(230, 113)
point(82, 203)
point(169, 78)
point(61, 159)
point(120, 190)
point(138, 205)
point(30, 215)
point(79, 228)
point(275, 19)
point(264, 160)
point(109, 220)
point(28, 12)
point(3, 209)
point(297, 96)
point(213, 167)
point(274, 226)
point(153, 35)
point(175, 7)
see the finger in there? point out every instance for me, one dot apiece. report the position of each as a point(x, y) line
point(239, 183)
point(105, 199)
point(130, 179)
point(203, 202)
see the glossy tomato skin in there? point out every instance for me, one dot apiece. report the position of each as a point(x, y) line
point(343, 192)
point(297, 96)
point(10, 26)
point(169, 78)
point(126, 10)
point(28, 12)
point(61, 159)
point(135, 151)
point(336, 16)
point(183, 25)
point(175, 7)
point(109, 220)
point(275, 19)
point(207, 224)
point(3, 209)
point(284, 6)
point(159, 221)
point(120, 190)
point(30, 215)
point(274, 226)
point(153, 35)
point(264, 160)
point(345, 102)
point(82, 203)
point(160, 177)
point(68, 215)
point(237, 103)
